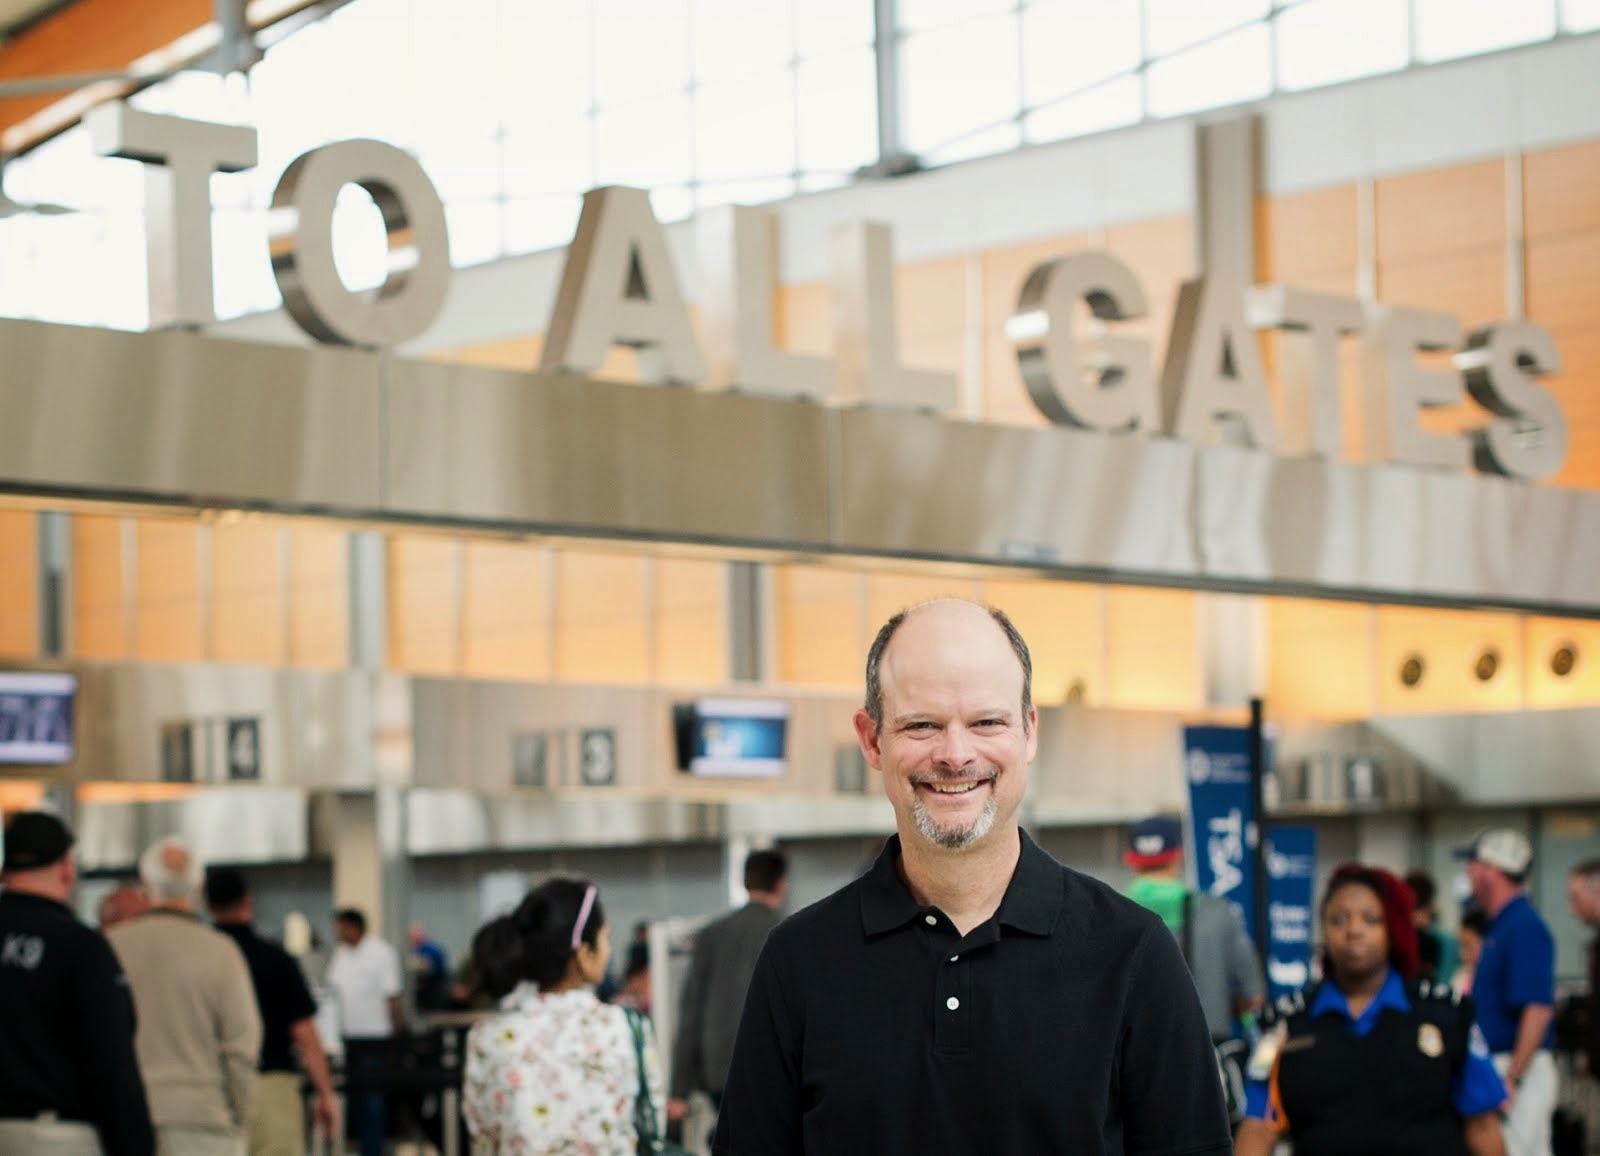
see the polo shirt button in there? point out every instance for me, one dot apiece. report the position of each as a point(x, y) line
point(953, 958)
point(930, 920)
point(952, 1003)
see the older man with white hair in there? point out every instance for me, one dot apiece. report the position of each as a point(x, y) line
point(199, 1028)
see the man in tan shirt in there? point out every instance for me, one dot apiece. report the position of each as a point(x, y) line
point(199, 1029)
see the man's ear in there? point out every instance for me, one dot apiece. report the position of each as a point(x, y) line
point(867, 736)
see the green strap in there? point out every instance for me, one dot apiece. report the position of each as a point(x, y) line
point(644, 1109)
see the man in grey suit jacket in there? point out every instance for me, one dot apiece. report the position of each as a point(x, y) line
point(719, 977)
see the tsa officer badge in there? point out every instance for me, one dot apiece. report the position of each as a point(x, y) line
point(1430, 1041)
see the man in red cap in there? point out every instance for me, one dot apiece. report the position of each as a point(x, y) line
point(1222, 961)
point(69, 1078)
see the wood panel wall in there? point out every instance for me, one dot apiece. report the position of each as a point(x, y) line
point(19, 583)
point(101, 627)
point(1561, 202)
point(249, 595)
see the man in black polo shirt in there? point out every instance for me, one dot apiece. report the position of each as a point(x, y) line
point(288, 1026)
point(968, 994)
point(69, 1078)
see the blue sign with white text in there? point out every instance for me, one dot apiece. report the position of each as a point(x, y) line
point(1291, 880)
point(36, 717)
point(1222, 815)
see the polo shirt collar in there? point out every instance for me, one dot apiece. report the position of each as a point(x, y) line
point(1511, 910)
point(1031, 903)
point(1329, 1000)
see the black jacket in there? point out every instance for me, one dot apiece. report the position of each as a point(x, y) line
point(67, 1025)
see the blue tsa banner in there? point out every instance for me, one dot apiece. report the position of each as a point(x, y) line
point(1291, 880)
point(1222, 815)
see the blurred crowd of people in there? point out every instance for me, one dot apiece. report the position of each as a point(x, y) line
point(964, 968)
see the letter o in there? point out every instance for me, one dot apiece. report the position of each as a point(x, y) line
point(418, 241)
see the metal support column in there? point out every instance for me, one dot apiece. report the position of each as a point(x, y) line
point(1230, 629)
point(893, 159)
point(368, 601)
point(371, 870)
point(236, 44)
point(55, 583)
point(747, 622)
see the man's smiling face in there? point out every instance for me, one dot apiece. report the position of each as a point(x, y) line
point(954, 746)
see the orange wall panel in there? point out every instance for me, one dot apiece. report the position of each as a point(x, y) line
point(1468, 282)
point(249, 598)
point(100, 625)
point(1065, 632)
point(1302, 234)
point(319, 595)
point(19, 583)
point(169, 619)
point(1151, 655)
point(1561, 190)
point(1563, 286)
point(1320, 662)
point(1446, 210)
point(424, 605)
point(602, 610)
point(821, 625)
point(691, 621)
point(505, 608)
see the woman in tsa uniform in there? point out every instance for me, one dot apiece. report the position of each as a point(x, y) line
point(1369, 1061)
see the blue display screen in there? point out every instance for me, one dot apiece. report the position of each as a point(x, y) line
point(733, 738)
point(36, 717)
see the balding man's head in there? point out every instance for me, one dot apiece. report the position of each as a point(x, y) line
point(954, 614)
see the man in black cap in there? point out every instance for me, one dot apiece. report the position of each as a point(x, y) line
point(69, 1079)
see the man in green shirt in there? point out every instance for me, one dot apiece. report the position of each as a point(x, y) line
point(1222, 961)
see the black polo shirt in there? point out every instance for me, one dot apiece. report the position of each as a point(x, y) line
point(281, 993)
point(67, 1026)
point(1065, 1024)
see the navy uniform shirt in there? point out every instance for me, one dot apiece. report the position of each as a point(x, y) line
point(282, 994)
point(66, 1026)
point(1474, 1090)
point(1066, 1023)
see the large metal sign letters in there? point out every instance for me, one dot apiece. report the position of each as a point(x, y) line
point(619, 286)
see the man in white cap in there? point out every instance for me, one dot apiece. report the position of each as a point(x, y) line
point(1514, 986)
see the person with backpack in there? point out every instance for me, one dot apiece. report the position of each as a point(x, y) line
point(1221, 958)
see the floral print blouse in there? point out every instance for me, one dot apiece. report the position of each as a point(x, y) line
point(555, 1074)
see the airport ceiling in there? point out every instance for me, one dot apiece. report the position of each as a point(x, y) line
point(15, 14)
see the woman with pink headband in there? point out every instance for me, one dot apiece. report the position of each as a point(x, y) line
point(556, 1070)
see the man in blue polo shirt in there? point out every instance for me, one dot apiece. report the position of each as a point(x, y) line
point(1514, 986)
